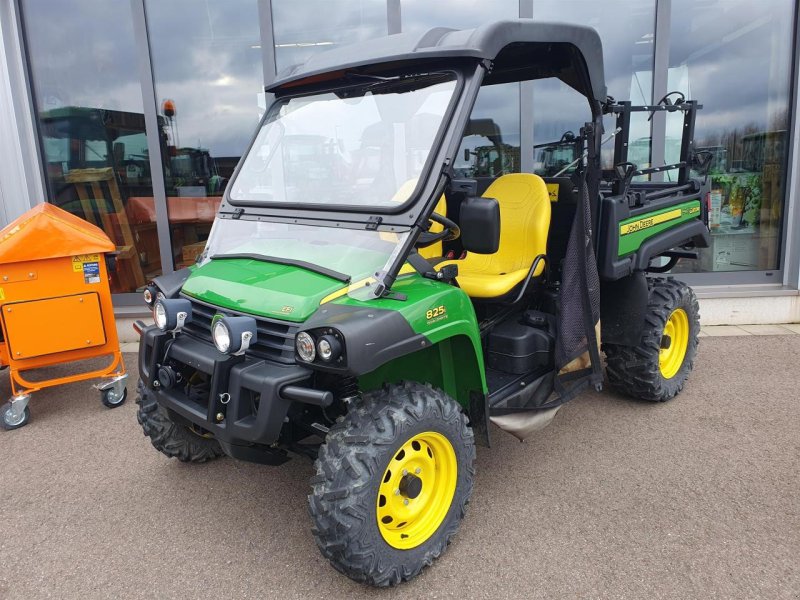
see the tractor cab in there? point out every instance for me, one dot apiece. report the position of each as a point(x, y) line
point(374, 294)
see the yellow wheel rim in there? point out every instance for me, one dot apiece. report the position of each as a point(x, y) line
point(677, 328)
point(417, 490)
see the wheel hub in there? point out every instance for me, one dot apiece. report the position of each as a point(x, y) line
point(416, 490)
point(674, 343)
point(410, 486)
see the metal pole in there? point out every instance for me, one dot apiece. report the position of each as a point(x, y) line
point(150, 103)
point(658, 125)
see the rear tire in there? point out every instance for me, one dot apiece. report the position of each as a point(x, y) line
point(369, 456)
point(170, 438)
point(650, 371)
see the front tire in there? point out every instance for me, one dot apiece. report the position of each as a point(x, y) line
point(657, 369)
point(168, 437)
point(393, 480)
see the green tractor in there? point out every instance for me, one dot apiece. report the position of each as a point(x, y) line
point(379, 321)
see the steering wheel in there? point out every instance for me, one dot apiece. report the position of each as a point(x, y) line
point(450, 232)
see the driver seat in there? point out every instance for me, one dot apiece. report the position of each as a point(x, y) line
point(524, 222)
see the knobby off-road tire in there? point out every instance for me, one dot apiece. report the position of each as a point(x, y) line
point(649, 371)
point(173, 439)
point(353, 472)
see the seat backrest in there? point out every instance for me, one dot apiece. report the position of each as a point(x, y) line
point(524, 223)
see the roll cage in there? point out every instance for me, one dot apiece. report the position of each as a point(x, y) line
point(500, 52)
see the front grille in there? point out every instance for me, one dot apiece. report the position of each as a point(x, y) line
point(275, 338)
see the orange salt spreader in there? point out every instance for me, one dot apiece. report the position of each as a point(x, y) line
point(55, 307)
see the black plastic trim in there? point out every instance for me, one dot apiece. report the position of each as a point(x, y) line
point(238, 376)
point(372, 337)
point(170, 284)
point(694, 231)
point(623, 306)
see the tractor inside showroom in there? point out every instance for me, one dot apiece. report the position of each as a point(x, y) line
point(380, 317)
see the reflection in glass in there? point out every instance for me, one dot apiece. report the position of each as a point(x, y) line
point(89, 107)
point(628, 59)
point(208, 74)
point(737, 63)
point(420, 15)
point(302, 29)
point(363, 146)
point(490, 147)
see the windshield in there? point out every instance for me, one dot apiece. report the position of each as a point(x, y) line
point(355, 253)
point(362, 146)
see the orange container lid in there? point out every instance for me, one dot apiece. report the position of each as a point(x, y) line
point(47, 231)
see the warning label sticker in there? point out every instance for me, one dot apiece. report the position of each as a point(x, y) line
point(79, 260)
point(91, 272)
point(552, 191)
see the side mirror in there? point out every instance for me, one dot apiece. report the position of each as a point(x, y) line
point(479, 220)
point(467, 154)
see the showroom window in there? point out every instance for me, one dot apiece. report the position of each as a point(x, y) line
point(302, 29)
point(737, 63)
point(90, 116)
point(627, 31)
point(208, 79)
point(491, 145)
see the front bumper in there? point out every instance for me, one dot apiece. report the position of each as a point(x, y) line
point(249, 393)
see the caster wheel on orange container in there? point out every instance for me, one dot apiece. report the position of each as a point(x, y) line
point(14, 418)
point(110, 398)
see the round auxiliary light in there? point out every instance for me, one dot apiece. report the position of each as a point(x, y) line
point(148, 296)
point(172, 314)
point(221, 336)
point(329, 348)
point(305, 347)
point(233, 335)
point(160, 316)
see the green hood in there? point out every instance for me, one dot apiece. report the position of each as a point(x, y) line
point(260, 288)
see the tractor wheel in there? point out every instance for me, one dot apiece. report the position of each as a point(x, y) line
point(658, 367)
point(173, 439)
point(393, 479)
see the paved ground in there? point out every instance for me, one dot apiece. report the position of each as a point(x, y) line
point(697, 498)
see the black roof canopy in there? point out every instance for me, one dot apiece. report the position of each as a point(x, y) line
point(519, 49)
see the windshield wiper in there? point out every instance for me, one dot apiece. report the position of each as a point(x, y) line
point(344, 278)
point(289, 262)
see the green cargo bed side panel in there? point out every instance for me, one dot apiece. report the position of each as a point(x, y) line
point(634, 231)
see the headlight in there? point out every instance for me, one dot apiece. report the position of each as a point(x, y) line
point(171, 315)
point(329, 348)
point(222, 337)
point(151, 294)
point(305, 347)
point(160, 316)
point(233, 335)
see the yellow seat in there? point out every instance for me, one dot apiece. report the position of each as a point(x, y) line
point(403, 194)
point(524, 223)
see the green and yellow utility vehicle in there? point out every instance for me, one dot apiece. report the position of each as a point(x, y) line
point(379, 320)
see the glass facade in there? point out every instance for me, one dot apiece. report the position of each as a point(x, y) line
point(91, 121)
point(628, 55)
point(491, 145)
point(737, 62)
point(304, 28)
point(208, 63)
point(207, 72)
